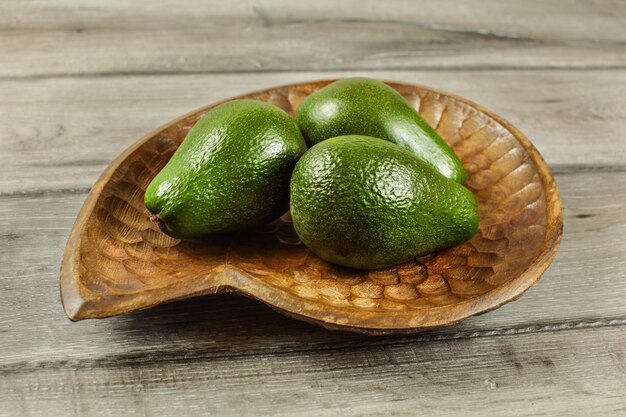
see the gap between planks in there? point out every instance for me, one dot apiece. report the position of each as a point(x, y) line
point(425, 68)
point(183, 355)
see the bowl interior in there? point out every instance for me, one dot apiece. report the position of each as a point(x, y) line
point(117, 261)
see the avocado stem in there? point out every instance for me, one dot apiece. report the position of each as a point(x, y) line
point(154, 218)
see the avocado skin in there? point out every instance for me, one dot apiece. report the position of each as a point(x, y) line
point(363, 106)
point(366, 203)
point(231, 172)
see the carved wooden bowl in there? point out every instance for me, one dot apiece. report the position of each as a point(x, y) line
point(116, 261)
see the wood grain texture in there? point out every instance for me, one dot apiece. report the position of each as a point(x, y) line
point(87, 122)
point(582, 291)
point(541, 374)
point(32, 318)
point(117, 261)
point(80, 81)
point(215, 36)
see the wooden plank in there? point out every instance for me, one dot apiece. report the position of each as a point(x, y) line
point(569, 373)
point(83, 37)
point(584, 288)
point(80, 81)
point(61, 133)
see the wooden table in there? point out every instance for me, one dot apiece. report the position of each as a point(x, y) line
point(82, 80)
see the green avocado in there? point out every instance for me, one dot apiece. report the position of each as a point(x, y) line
point(362, 106)
point(230, 173)
point(366, 203)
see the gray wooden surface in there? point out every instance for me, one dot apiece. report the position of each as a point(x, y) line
point(81, 80)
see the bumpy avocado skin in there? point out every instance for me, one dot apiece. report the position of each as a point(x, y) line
point(363, 106)
point(231, 172)
point(366, 203)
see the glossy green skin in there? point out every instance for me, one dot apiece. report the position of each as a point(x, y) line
point(366, 203)
point(362, 106)
point(230, 173)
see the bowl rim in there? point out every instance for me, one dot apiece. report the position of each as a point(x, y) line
point(329, 316)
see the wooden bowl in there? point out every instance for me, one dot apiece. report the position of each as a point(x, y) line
point(116, 261)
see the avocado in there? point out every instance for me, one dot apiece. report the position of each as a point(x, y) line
point(231, 172)
point(366, 203)
point(363, 106)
